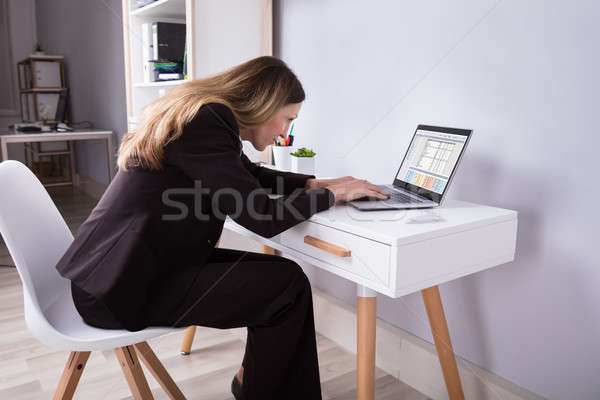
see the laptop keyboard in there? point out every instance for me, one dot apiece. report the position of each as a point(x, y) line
point(399, 197)
point(395, 197)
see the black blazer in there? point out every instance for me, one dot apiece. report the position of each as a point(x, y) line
point(138, 250)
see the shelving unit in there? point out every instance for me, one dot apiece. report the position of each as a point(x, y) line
point(140, 93)
point(42, 91)
point(210, 45)
point(41, 82)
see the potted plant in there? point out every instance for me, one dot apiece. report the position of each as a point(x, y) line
point(303, 161)
point(37, 50)
point(44, 110)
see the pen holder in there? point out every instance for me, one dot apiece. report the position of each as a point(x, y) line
point(282, 157)
point(303, 165)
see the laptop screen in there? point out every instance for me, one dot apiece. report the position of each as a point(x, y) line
point(431, 160)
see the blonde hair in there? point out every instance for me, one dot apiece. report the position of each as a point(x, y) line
point(254, 91)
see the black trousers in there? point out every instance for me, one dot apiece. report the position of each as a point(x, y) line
point(271, 296)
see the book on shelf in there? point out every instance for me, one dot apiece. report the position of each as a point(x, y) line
point(163, 51)
point(169, 76)
point(168, 41)
point(147, 52)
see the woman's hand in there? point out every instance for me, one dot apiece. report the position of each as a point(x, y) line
point(321, 183)
point(349, 190)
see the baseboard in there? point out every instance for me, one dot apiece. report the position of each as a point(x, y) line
point(409, 358)
point(89, 186)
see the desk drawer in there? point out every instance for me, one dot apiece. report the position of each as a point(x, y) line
point(352, 253)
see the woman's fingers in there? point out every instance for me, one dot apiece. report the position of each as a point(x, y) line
point(378, 194)
point(359, 192)
point(376, 188)
point(352, 188)
point(381, 193)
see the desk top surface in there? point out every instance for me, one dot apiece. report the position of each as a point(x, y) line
point(398, 227)
point(55, 134)
point(481, 237)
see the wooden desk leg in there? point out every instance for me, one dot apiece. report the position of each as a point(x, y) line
point(4, 150)
point(71, 146)
point(268, 250)
point(110, 157)
point(365, 343)
point(441, 336)
point(188, 338)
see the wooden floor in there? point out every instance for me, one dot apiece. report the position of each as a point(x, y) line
point(30, 370)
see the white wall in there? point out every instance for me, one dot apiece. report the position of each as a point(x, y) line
point(89, 34)
point(226, 34)
point(22, 37)
point(524, 76)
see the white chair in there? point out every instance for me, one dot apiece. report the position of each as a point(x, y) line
point(37, 236)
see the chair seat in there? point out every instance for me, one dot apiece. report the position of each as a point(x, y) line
point(72, 333)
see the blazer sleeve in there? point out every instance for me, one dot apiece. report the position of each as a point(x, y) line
point(209, 153)
point(280, 182)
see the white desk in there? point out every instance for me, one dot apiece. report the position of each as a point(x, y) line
point(60, 137)
point(383, 252)
point(386, 252)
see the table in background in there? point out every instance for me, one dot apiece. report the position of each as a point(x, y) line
point(68, 137)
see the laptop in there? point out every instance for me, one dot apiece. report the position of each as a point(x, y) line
point(425, 172)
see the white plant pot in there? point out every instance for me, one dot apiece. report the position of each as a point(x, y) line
point(303, 165)
point(282, 157)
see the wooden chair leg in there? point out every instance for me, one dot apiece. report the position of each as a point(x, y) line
point(188, 338)
point(71, 374)
point(132, 369)
point(441, 337)
point(158, 371)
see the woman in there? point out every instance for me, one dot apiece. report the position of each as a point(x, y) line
point(146, 257)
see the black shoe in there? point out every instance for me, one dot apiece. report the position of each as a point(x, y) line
point(236, 389)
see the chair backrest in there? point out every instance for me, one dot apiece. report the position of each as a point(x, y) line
point(35, 234)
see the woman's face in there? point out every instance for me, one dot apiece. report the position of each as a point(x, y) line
point(278, 125)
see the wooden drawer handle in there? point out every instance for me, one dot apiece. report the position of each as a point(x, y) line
point(328, 247)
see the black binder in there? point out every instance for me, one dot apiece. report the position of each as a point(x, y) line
point(168, 41)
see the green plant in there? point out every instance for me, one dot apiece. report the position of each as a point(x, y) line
point(44, 110)
point(304, 152)
point(37, 48)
